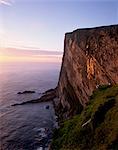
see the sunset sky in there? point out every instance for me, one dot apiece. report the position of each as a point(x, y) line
point(29, 55)
point(41, 24)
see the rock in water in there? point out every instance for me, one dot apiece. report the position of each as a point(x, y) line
point(48, 96)
point(47, 107)
point(26, 92)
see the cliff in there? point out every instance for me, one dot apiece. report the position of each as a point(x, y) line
point(90, 59)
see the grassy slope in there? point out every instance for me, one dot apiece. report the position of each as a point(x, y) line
point(101, 131)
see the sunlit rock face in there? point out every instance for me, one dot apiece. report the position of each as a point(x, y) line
point(90, 59)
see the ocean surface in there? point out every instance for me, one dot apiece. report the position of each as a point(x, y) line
point(22, 126)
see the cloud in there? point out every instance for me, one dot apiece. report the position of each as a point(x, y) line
point(6, 2)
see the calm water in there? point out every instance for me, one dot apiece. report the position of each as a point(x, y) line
point(20, 125)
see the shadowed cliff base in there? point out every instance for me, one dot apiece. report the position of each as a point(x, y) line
point(95, 128)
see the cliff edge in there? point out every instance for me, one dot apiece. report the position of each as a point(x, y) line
point(90, 59)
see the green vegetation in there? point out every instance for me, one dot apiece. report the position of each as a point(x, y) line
point(96, 128)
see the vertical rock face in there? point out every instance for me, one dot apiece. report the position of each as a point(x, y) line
point(90, 59)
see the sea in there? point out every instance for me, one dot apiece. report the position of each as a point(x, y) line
point(23, 127)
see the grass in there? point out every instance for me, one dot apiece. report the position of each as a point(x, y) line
point(100, 133)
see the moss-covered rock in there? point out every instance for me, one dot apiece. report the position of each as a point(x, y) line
point(96, 128)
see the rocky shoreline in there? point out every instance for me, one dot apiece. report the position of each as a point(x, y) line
point(48, 95)
point(45, 134)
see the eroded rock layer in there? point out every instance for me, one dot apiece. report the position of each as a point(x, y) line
point(90, 59)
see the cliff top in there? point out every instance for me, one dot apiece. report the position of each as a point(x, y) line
point(93, 28)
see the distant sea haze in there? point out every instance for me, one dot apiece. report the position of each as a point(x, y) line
point(20, 124)
point(23, 55)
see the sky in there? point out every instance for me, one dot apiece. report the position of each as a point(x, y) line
point(24, 55)
point(42, 24)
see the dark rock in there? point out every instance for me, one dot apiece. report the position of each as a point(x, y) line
point(48, 91)
point(47, 107)
point(26, 92)
point(49, 96)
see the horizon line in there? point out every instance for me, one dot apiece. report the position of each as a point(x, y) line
point(29, 48)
